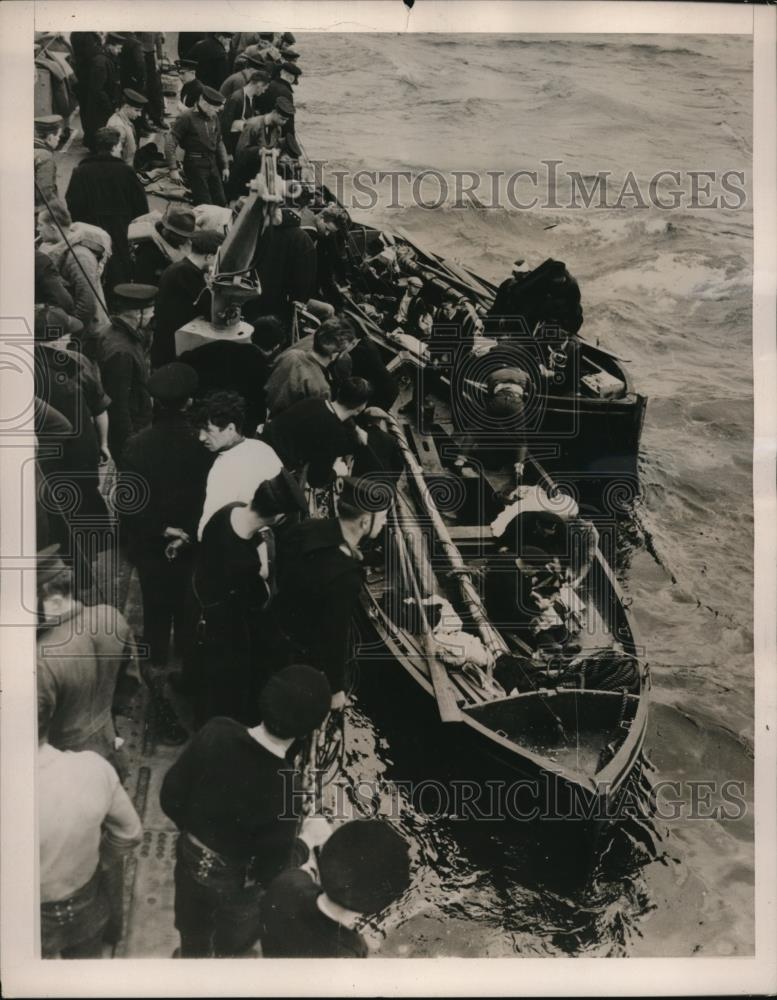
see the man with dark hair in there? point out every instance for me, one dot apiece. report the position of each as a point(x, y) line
point(81, 650)
point(234, 583)
point(363, 866)
point(233, 794)
point(106, 192)
point(122, 353)
point(86, 823)
point(263, 132)
point(172, 464)
point(241, 464)
point(311, 434)
point(205, 162)
point(99, 93)
point(183, 293)
point(302, 374)
point(320, 578)
point(210, 54)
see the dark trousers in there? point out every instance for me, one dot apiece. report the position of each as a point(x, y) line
point(73, 927)
point(163, 584)
point(204, 179)
point(215, 913)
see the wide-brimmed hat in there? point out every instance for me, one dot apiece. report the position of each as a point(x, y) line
point(179, 220)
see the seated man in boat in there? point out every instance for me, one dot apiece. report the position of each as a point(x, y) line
point(457, 320)
point(504, 409)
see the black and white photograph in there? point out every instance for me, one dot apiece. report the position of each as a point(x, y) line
point(390, 555)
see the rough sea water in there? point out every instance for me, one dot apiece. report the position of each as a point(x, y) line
point(670, 292)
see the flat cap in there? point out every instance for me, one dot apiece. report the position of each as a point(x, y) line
point(212, 96)
point(114, 38)
point(47, 124)
point(49, 564)
point(290, 55)
point(365, 865)
point(295, 701)
point(173, 383)
point(133, 97)
point(290, 67)
point(51, 323)
point(415, 282)
point(134, 296)
point(285, 106)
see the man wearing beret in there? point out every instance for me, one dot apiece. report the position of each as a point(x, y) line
point(105, 192)
point(48, 130)
point(174, 466)
point(122, 353)
point(205, 162)
point(363, 866)
point(233, 793)
point(183, 292)
point(131, 108)
point(320, 578)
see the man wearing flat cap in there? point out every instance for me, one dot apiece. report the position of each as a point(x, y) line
point(205, 162)
point(130, 109)
point(320, 578)
point(48, 130)
point(234, 793)
point(363, 866)
point(122, 354)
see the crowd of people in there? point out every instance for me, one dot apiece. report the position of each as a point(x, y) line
point(226, 447)
point(219, 449)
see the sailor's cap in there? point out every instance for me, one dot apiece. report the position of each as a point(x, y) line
point(47, 124)
point(212, 96)
point(134, 296)
point(133, 98)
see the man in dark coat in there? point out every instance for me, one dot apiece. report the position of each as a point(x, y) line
point(183, 294)
point(186, 41)
point(320, 578)
point(191, 87)
point(174, 466)
point(363, 867)
point(212, 59)
point(85, 46)
point(104, 191)
point(122, 356)
point(205, 163)
point(100, 91)
point(232, 795)
point(286, 262)
point(286, 76)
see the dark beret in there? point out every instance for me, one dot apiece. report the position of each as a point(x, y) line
point(295, 701)
point(173, 383)
point(365, 865)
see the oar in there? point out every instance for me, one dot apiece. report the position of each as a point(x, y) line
point(443, 691)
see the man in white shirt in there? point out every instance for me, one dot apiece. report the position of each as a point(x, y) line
point(80, 802)
point(241, 465)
